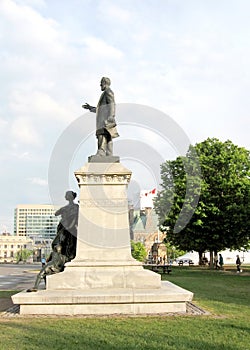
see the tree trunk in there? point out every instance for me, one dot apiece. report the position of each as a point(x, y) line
point(215, 259)
point(211, 263)
point(200, 258)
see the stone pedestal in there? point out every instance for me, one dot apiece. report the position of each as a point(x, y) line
point(104, 278)
point(103, 257)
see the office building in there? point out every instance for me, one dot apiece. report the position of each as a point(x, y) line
point(35, 220)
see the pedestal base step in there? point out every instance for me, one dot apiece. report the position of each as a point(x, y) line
point(168, 298)
point(103, 159)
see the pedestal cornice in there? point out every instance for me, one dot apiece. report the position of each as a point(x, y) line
point(103, 174)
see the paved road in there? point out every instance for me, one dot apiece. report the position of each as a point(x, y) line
point(18, 276)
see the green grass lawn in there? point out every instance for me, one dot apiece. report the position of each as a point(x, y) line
point(224, 294)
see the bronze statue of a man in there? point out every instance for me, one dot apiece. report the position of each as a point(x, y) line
point(105, 119)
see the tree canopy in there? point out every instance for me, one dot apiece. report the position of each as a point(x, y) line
point(23, 255)
point(138, 251)
point(204, 204)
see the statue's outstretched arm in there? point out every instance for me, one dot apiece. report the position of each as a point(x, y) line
point(90, 108)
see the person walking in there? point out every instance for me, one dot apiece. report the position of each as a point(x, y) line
point(43, 261)
point(221, 262)
point(238, 263)
point(216, 266)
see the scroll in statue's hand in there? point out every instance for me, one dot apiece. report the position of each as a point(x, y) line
point(110, 122)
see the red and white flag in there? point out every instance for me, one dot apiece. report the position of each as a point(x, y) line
point(146, 197)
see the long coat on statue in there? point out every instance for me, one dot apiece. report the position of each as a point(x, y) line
point(105, 114)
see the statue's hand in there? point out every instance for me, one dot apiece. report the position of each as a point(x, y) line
point(90, 108)
point(86, 106)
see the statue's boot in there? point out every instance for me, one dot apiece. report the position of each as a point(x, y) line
point(109, 151)
point(31, 290)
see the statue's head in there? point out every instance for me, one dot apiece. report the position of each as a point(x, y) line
point(70, 195)
point(105, 82)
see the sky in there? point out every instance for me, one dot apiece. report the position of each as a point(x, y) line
point(186, 59)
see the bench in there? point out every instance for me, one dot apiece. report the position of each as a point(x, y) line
point(159, 268)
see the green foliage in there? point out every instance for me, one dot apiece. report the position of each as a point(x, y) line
point(173, 252)
point(138, 251)
point(221, 217)
point(23, 255)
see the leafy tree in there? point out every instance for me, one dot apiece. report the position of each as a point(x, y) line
point(172, 251)
point(23, 255)
point(220, 218)
point(138, 251)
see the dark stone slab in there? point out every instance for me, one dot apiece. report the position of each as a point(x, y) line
point(103, 159)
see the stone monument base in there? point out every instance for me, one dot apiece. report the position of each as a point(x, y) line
point(104, 279)
point(121, 301)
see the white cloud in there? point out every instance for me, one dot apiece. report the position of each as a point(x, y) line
point(142, 36)
point(38, 181)
point(23, 130)
point(33, 3)
point(159, 142)
point(3, 125)
point(39, 105)
point(118, 14)
point(98, 49)
point(25, 29)
point(24, 156)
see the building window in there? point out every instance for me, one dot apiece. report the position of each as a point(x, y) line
point(12, 254)
point(5, 246)
point(5, 254)
point(12, 246)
